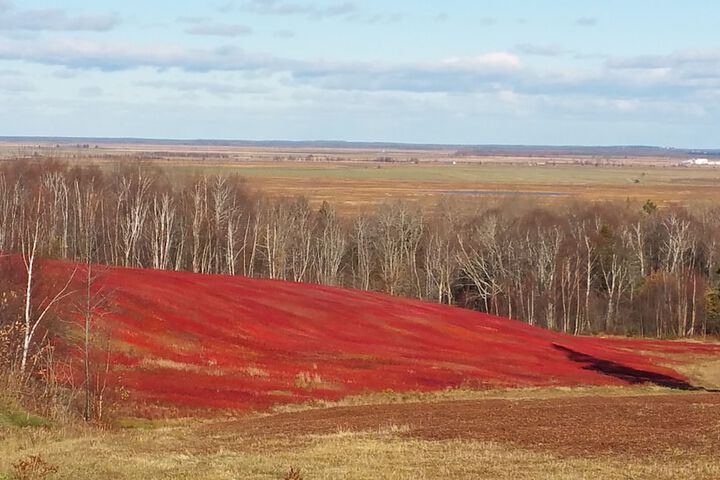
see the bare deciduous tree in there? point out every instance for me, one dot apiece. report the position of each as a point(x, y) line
point(34, 313)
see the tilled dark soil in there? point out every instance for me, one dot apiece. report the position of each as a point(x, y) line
point(577, 426)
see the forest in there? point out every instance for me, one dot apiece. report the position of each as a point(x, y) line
point(576, 267)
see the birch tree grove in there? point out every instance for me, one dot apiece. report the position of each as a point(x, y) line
point(35, 310)
point(580, 268)
point(329, 246)
point(163, 220)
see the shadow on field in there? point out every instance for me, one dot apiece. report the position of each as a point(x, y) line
point(625, 373)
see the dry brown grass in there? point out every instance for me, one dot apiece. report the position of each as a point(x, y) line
point(256, 372)
point(358, 181)
point(704, 372)
point(463, 394)
point(313, 381)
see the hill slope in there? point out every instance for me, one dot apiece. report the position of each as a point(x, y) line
point(202, 341)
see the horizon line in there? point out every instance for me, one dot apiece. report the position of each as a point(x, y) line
point(327, 142)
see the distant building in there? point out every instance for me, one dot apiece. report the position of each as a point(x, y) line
point(700, 161)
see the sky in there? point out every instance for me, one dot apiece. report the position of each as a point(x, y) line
point(562, 72)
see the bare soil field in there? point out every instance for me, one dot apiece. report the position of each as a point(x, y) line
point(574, 425)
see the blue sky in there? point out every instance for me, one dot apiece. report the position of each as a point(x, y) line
point(513, 72)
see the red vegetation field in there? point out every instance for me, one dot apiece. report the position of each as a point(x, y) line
point(195, 341)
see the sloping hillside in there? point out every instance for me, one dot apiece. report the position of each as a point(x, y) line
point(189, 340)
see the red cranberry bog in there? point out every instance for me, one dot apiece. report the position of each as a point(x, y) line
point(187, 342)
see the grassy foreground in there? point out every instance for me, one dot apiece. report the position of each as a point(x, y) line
point(190, 449)
point(379, 454)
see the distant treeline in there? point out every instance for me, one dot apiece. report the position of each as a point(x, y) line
point(577, 268)
point(461, 149)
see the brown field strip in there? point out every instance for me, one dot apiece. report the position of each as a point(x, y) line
point(586, 426)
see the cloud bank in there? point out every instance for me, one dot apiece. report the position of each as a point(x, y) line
point(52, 19)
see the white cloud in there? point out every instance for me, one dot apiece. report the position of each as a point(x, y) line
point(14, 85)
point(205, 26)
point(86, 54)
point(686, 58)
point(540, 50)
point(219, 89)
point(587, 21)
point(219, 30)
point(493, 60)
point(90, 92)
point(690, 77)
point(289, 8)
point(52, 19)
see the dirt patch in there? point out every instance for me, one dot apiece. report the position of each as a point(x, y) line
point(582, 427)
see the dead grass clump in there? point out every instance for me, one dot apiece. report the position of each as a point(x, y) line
point(293, 474)
point(33, 468)
point(309, 381)
point(256, 372)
